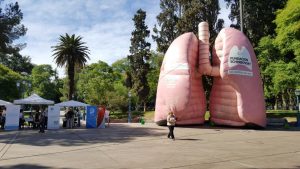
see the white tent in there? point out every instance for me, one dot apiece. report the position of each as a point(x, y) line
point(34, 99)
point(71, 103)
point(3, 103)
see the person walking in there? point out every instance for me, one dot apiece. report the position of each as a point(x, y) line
point(171, 120)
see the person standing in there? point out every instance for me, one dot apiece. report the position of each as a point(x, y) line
point(46, 118)
point(42, 122)
point(37, 119)
point(106, 115)
point(70, 118)
point(171, 120)
point(21, 119)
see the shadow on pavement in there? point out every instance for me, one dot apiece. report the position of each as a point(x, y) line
point(206, 125)
point(28, 166)
point(189, 139)
point(116, 133)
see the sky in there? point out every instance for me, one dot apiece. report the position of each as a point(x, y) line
point(105, 26)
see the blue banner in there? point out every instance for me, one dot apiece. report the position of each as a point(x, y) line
point(91, 117)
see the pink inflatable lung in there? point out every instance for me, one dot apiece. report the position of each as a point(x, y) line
point(180, 86)
point(237, 96)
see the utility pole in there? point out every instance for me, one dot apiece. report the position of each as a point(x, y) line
point(241, 15)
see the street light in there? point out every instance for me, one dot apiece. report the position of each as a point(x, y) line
point(241, 14)
point(129, 107)
point(297, 93)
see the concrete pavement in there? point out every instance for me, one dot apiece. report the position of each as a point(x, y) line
point(147, 146)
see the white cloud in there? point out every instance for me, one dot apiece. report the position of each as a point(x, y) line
point(105, 25)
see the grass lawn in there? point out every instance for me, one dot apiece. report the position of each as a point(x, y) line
point(290, 115)
point(149, 115)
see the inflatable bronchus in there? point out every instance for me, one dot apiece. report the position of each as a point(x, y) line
point(236, 98)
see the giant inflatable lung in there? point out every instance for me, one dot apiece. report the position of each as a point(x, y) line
point(180, 87)
point(236, 98)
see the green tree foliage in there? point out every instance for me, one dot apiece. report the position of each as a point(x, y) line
point(70, 52)
point(167, 21)
point(288, 30)
point(8, 80)
point(10, 26)
point(120, 67)
point(11, 29)
point(278, 57)
point(45, 82)
point(180, 16)
point(283, 78)
point(95, 82)
point(119, 97)
point(139, 57)
point(258, 17)
point(17, 62)
point(155, 62)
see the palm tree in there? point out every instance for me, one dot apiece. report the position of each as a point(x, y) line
point(70, 52)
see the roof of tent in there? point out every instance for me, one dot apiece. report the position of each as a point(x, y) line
point(3, 103)
point(71, 103)
point(34, 99)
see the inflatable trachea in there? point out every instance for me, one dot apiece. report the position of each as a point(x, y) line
point(237, 96)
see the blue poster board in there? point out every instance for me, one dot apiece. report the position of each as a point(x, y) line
point(91, 117)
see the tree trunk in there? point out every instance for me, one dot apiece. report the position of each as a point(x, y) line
point(284, 101)
point(71, 80)
point(276, 103)
point(290, 98)
point(144, 107)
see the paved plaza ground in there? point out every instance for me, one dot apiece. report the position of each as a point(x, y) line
point(138, 146)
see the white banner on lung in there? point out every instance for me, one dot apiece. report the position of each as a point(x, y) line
point(12, 117)
point(53, 117)
point(240, 57)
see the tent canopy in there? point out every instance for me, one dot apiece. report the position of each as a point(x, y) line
point(3, 103)
point(34, 99)
point(71, 103)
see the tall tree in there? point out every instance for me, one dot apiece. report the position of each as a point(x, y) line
point(139, 56)
point(71, 52)
point(258, 17)
point(11, 29)
point(167, 21)
point(10, 26)
point(180, 16)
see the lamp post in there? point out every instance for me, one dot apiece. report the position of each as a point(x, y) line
point(297, 93)
point(241, 14)
point(129, 107)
